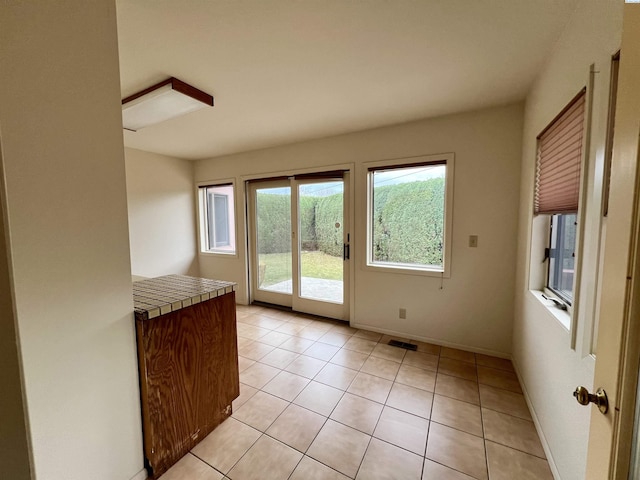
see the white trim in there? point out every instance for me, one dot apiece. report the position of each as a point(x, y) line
point(582, 208)
point(316, 306)
point(200, 218)
point(405, 269)
point(434, 341)
point(570, 320)
point(244, 211)
point(445, 272)
point(543, 440)
point(243, 181)
point(562, 316)
point(211, 253)
point(349, 179)
point(141, 475)
point(284, 299)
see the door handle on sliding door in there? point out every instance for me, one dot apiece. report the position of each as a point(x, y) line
point(346, 251)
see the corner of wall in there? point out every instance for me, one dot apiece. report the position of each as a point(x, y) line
point(15, 449)
point(546, 364)
point(162, 214)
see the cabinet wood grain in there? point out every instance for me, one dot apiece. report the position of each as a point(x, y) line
point(188, 377)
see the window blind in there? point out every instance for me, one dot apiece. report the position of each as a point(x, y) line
point(329, 175)
point(557, 188)
point(433, 163)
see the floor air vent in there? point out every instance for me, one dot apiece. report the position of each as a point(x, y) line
point(405, 345)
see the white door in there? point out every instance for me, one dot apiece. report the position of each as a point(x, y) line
point(610, 433)
point(299, 243)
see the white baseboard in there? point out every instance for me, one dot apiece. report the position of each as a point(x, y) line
point(141, 475)
point(434, 341)
point(536, 423)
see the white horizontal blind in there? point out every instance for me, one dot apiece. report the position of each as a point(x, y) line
point(557, 187)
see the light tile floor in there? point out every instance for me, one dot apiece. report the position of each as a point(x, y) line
point(321, 400)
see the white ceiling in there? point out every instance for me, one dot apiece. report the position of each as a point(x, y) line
point(284, 71)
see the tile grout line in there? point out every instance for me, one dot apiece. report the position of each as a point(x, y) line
point(276, 419)
point(241, 457)
point(516, 449)
point(344, 392)
point(484, 438)
point(205, 462)
point(393, 382)
point(371, 437)
point(426, 445)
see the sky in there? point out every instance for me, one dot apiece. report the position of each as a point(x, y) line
point(381, 178)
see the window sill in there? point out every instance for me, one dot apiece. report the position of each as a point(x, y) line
point(406, 270)
point(219, 254)
point(562, 316)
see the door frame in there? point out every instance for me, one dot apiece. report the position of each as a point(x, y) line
point(349, 169)
point(308, 305)
point(283, 299)
point(625, 420)
point(618, 350)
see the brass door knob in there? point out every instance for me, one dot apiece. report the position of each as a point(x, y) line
point(599, 398)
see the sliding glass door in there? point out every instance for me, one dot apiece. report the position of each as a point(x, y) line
point(299, 244)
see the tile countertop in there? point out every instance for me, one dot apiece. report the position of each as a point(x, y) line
point(157, 296)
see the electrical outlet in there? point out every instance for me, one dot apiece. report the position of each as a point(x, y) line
point(402, 313)
point(473, 241)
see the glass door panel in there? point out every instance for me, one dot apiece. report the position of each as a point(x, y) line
point(270, 210)
point(273, 228)
point(321, 241)
point(297, 238)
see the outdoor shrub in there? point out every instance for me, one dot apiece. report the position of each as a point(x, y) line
point(329, 211)
point(318, 216)
point(308, 239)
point(274, 223)
point(409, 222)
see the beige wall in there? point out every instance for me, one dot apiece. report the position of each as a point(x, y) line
point(474, 309)
point(67, 222)
point(549, 368)
point(162, 228)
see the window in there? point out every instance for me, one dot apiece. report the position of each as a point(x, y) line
point(557, 194)
point(562, 256)
point(217, 219)
point(218, 216)
point(409, 216)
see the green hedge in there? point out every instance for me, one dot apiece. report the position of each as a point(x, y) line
point(409, 222)
point(308, 238)
point(318, 216)
point(274, 223)
point(328, 213)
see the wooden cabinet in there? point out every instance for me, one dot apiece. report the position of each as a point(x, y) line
point(188, 362)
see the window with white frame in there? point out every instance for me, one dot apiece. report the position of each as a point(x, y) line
point(217, 218)
point(409, 215)
point(557, 196)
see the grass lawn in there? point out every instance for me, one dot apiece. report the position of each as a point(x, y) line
point(314, 265)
